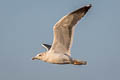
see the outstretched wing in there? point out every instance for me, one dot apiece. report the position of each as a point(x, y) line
point(64, 28)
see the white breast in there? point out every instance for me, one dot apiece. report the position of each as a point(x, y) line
point(57, 58)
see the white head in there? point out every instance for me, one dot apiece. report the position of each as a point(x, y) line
point(40, 56)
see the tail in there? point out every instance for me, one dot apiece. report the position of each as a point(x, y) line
point(77, 62)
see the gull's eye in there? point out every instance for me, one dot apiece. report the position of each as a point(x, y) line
point(40, 55)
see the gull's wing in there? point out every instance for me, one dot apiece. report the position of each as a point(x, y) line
point(46, 46)
point(64, 28)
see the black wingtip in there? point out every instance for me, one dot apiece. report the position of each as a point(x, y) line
point(46, 44)
point(89, 5)
point(82, 9)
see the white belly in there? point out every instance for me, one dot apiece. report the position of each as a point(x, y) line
point(58, 58)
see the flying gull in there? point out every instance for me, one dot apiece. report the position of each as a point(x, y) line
point(59, 51)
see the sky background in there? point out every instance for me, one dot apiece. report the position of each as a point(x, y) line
point(25, 24)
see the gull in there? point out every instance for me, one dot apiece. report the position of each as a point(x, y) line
point(59, 52)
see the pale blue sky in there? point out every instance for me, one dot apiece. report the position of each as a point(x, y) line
point(25, 24)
